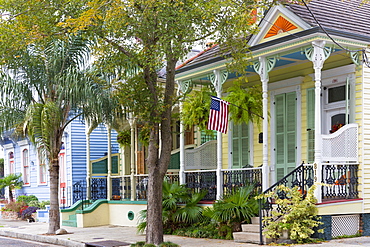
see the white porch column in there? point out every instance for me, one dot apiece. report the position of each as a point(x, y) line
point(109, 163)
point(218, 80)
point(132, 158)
point(263, 67)
point(317, 54)
point(183, 88)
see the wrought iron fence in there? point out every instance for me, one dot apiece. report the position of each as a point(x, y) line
point(301, 177)
point(79, 191)
point(198, 181)
point(126, 187)
point(341, 180)
point(238, 178)
point(116, 188)
point(141, 187)
point(98, 188)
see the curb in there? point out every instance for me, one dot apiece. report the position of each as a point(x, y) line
point(42, 239)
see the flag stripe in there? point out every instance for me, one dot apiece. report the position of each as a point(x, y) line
point(218, 115)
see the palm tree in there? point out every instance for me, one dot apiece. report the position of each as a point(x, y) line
point(12, 181)
point(43, 90)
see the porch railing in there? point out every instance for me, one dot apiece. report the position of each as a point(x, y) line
point(238, 178)
point(341, 180)
point(341, 146)
point(202, 157)
point(302, 177)
point(198, 181)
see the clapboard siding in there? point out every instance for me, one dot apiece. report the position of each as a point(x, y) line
point(365, 139)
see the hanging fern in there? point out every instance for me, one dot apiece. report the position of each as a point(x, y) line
point(195, 109)
point(124, 138)
point(248, 100)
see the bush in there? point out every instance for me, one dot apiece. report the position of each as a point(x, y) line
point(299, 216)
point(38, 204)
point(14, 206)
point(138, 244)
point(168, 244)
point(233, 210)
point(27, 199)
point(27, 212)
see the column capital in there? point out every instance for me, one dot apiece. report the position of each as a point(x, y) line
point(218, 78)
point(318, 53)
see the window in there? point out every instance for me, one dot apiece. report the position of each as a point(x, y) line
point(26, 168)
point(11, 162)
point(240, 146)
point(310, 125)
point(42, 168)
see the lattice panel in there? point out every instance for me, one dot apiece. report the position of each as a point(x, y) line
point(341, 145)
point(345, 225)
point(202, 157)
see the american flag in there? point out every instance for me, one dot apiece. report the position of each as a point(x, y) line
point(218, 115)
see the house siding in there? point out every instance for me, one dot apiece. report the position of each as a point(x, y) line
point(365, 136)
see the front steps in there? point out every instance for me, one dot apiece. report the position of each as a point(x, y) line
point(72, 221)
point(250, 233)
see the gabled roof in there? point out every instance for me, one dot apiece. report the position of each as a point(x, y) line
point(347, 18)
point(350, 16)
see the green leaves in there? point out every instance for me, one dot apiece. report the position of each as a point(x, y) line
point(195, 110)
point(299, 216)
point(248, 103)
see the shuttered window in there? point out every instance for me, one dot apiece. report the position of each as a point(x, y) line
point(240, 145)
point(310, 125)
point(286, 124)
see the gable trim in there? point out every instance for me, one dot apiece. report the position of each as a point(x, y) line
point(270, 17)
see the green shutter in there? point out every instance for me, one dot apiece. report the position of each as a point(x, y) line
point(286, 124)
point(240, 145)
point(310, 125)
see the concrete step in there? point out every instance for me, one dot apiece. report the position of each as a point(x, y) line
point(71, 223)
point(255, 220)
point(249, 237)
point(250, 228)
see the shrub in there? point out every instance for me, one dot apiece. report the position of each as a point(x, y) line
point(299, 216)
point(233, 210)
point(27, 199)
point(26, 213)
point(138, 244)
point(168, 244)
point(38, 204)
point(14, 206)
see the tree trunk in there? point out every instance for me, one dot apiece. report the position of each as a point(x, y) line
point(54, 215)
point(158, 166)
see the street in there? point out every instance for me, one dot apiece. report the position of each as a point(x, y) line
point(4, 241)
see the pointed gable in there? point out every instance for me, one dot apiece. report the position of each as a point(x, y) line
point(281, 25)
point(278, 22)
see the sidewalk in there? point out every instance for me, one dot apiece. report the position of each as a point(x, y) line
point(109, 236)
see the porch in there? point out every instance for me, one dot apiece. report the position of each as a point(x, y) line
point(338, 171)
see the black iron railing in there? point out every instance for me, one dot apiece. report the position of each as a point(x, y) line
point(126, 186)
point(116, 188)
point(98, 188)
point(79, 193)
point(341, 181)
point(301, 177)
point(202, 180)
point(234, 179)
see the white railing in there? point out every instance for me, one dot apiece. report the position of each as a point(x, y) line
point(202, 157)
point(341, 146)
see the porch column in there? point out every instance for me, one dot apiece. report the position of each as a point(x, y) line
point(317, 54)
point(132, 157)
point(184, 87)
point(88, 130)
point(109, 163)
point(262, 68)
point(218, 80)
point(182, 143)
